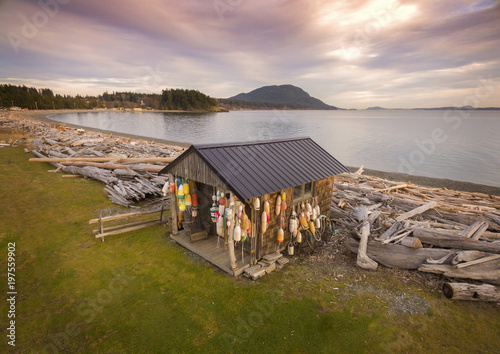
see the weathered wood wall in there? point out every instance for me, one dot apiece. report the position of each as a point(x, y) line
point(194, 168)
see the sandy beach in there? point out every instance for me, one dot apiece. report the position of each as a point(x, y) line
point(393, 176)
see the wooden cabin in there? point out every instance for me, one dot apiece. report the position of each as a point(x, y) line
point(297, 169)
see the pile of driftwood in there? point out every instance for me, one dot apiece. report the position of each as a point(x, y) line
point(401, 225)
point(128, 167)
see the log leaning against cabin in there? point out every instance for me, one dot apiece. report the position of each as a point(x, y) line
point(465, 291)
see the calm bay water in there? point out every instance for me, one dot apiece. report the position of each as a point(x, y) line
point(459, 145)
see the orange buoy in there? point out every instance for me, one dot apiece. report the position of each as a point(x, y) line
point(281, 235)
point(194, 199)
point(311, 227)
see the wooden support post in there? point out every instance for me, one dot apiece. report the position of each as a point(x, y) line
point(101, 226)
point(232, 256)
point(173, 208)
point(253, 238)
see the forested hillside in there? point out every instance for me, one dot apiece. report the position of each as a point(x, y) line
point(169, 99)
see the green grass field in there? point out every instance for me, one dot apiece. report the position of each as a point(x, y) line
point(140, 292)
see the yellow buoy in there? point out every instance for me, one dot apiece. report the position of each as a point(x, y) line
point(303, 222)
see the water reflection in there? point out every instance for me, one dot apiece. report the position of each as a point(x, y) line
point(384, 140)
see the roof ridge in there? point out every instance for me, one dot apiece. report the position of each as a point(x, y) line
point(254, 142)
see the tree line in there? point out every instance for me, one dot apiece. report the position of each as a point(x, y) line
point(236, 104)
point(170, 99)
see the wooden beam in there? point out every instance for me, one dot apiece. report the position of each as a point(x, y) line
point(122, 216)
point(110, 166)
point(127, 229)
point(430, 205)
point(404, 185)
point(478, 261)
point(102, 159)
point(230, 240)
point(173, 208)
point(117, 227)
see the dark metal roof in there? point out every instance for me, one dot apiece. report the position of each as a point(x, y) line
point(252, 169)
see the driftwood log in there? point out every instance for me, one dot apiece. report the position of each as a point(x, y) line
point(465, 291)
point(397, 256)
point(488, 272)
point(449, 240)
point(363, 261)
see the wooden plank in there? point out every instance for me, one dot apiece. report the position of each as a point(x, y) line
point(478, 261)
point(102, 159)
point(468, 232)
point(404, 185)
point(430, 205)
point(111, 166)
point(195, 250)
point(122, 216)
point(133, 228)
point(117, 227)
point(480, 231)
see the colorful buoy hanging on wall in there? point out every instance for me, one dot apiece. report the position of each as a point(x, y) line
point(281, 235)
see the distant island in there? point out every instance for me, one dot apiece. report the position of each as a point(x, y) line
point(375, 108)
point(274, 97)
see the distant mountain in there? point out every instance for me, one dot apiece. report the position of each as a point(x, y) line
point(375, 108)
point(288, 96)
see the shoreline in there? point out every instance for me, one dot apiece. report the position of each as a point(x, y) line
point(42, 116)
point(392, 176)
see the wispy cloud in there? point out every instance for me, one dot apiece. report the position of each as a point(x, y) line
point(350, 54)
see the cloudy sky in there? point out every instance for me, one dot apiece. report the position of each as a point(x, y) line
point(352, 54)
